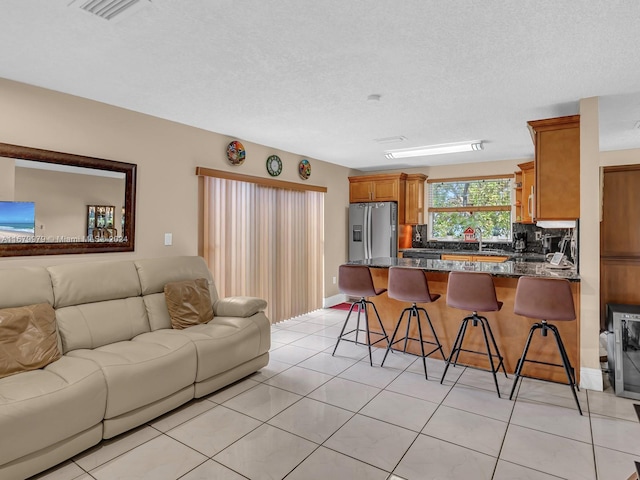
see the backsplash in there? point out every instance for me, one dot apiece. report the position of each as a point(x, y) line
point(418, 236)
point(548, 240)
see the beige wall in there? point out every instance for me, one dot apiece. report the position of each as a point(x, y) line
point(589, 244)
point(620, 157)
point(167, 154)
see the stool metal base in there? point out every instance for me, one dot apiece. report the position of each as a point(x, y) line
point(414, 311)
point(544, 327)
point(362, 307)
point(457, 347)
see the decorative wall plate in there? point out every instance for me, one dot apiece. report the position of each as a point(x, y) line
point(304, 169)
point(236, 153)
point(274, 165)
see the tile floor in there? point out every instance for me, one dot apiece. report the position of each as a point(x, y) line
point(308, 415)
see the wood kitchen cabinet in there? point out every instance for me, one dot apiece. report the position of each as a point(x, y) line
point(377, 188)
point(619, 239)
point(525, 196)
point(414, 203)
point(517, 186)
point(388, 187)
point(557, 168)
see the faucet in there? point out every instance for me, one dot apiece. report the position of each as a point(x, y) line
point(479, 237)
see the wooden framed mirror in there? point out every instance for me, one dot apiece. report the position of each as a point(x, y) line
point(45, 200)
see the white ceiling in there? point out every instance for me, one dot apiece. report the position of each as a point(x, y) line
point(295, 74)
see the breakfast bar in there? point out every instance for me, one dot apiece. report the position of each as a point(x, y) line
point(510, 330)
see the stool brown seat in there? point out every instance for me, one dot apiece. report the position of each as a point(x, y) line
point(411, 285)
point(475, 292)
point(356, 281)
point(546, 299)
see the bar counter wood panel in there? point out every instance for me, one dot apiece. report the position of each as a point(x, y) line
point(509, 329)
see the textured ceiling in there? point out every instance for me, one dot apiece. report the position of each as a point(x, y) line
point(295, 74)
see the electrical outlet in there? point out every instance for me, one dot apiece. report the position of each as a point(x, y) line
point(538, 235)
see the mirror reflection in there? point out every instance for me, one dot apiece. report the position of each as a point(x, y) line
point(52, 202)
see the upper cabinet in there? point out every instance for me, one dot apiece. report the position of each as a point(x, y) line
point(377, 188)
point(388, 187)
point(557, 168)
point(525, 193)
point(414, 203)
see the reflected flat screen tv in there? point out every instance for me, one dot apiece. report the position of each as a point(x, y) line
point(17, 218)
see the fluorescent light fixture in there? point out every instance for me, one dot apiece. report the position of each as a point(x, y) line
point(435, 149)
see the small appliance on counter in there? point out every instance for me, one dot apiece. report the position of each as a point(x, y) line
point(520, 241)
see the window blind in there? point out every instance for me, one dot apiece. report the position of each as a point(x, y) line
point(470, 195)
point(265, 242)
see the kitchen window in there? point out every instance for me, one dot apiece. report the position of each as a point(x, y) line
point(478, 202)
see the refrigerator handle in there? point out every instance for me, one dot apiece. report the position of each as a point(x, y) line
point(368, 233)
point(365, 232)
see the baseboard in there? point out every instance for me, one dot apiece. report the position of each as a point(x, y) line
point(591, 379)
point(334, 300)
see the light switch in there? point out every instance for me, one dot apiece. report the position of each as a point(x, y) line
point(168, 239)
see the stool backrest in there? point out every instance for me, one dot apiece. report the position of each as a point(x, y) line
point(472, 291)
point(409, 285)
point(356, 280)
point(544, 298)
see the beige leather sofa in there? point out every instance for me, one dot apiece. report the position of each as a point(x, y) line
point(122, 364)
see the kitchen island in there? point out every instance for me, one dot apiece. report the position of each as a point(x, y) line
point(510, 330)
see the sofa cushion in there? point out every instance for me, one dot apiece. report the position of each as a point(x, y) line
point(143, 370)
point(43, 407)
point(239, 306)
point(25, 286)
point(155, 273)
point(28, 338)
point(224, 343)
point(188, 302)
point(78, 283)
point(96, 324)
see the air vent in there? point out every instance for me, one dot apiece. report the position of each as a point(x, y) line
point(110, 9)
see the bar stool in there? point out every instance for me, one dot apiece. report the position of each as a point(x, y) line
point(475, 292)
point(356, 281)
point(546, 299)
point(411, 285)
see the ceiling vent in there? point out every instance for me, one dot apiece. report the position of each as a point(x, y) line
point(110, 9)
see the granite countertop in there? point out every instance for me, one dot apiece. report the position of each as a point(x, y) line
point(526, 256)
point(509, 268)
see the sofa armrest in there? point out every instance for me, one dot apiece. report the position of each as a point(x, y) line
point(238, 306)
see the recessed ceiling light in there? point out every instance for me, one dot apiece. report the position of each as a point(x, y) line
point(435, 149)
point(374, 97)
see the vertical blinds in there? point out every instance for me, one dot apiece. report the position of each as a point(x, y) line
point(265, 242)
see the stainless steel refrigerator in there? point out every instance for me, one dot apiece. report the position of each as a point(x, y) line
point(373, 230)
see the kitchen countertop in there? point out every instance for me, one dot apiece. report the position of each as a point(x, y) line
point(509, 268)
point(526, 256)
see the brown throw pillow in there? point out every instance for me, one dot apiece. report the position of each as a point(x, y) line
point(188, 302)
point(28, 338)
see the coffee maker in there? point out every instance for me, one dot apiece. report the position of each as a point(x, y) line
point(520, 241)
